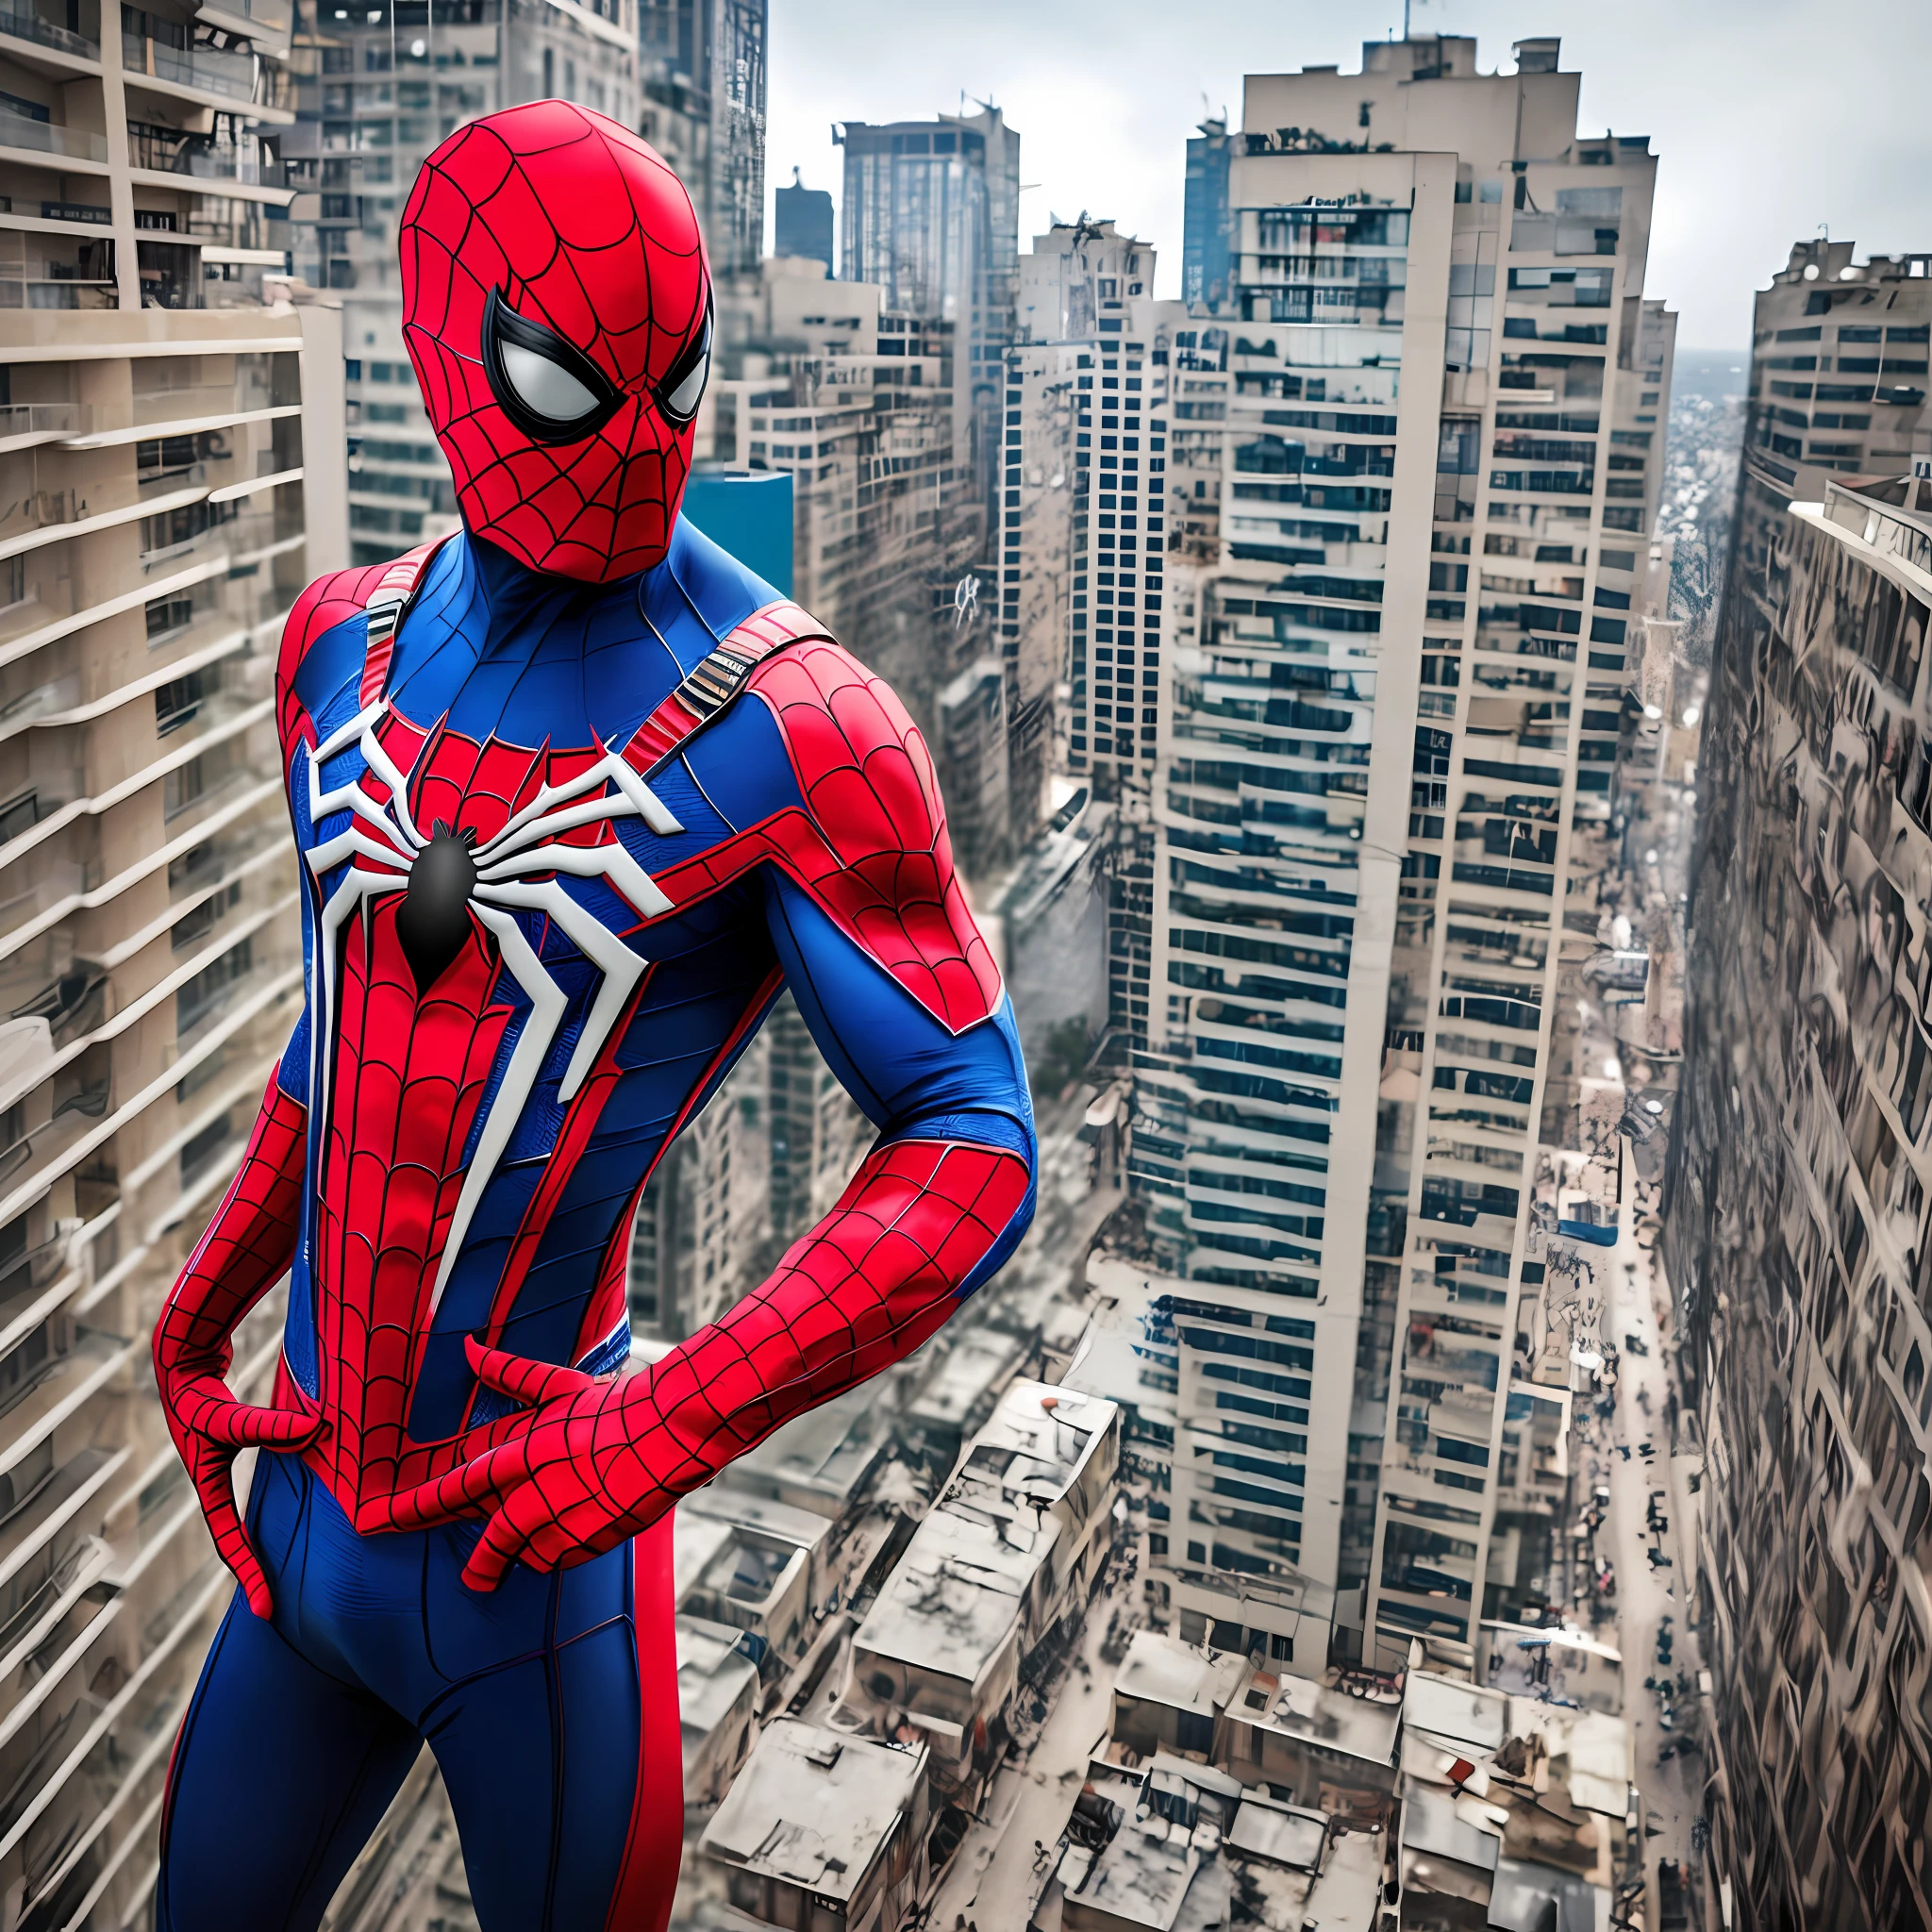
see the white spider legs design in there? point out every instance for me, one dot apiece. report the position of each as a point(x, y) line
point(382, 831)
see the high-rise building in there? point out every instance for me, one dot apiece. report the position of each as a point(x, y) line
point(173, 476)
point(1080, 597)
point(1839, 361)
point(1207, 236)
point(1421, 464)
point(1795, 1216)
point(379, 87)
point(703, 109)
point(1063, 555)
point(805, 224)
point(931, 214)
point(1082, 458)
point(820, 380)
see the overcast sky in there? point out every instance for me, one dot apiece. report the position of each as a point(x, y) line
point(1770, 117)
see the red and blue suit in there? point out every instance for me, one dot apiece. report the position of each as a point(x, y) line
point(574, 796)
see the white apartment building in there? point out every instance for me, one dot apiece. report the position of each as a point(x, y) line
point(859, 407)
point(135, 156)
point(1839, 351)
point(1421, 459)
point(172, 476)
point(1082, 545)
point(1080, 572)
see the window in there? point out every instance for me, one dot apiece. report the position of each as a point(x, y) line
point(178, 703)
point(199, 997)
point(167, 615)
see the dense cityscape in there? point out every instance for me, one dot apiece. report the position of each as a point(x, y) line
point(1451, 1449)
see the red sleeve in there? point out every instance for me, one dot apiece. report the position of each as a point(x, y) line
point(247, 1248)
point(872, 847)
point(861, 1291)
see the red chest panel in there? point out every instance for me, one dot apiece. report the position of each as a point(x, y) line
point(412, 1131)
point(407, 1080)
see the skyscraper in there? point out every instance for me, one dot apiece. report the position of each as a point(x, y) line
point(1070, 504)
point(1414, 470)
point(1796, 1215)
point(1839, 361)
point(1206, 242)
point(931, 214)
point(380, 87)
point(173, 474)
point(703, 109)
point(805, 224)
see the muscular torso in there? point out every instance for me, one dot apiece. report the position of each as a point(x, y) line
point(537, 943)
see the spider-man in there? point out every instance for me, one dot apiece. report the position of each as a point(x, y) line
point(575, 796)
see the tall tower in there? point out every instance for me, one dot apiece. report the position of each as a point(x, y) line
point(1795, 1217)
point(805, 224)
point(1207, 240)
point(703, 109)
point(931, 214)
point(1838, 358)
point(1416, 460)
point(170, 476)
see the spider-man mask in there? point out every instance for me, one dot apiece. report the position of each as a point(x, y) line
point(558, 309)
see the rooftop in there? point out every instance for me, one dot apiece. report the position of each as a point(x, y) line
point(696, 1543)
point(954, 1601)
point(1284, 1833)
point(956, 1597)
point(1039, 1440)
point(1142, 1876)
point(982, 1358)
point(814, 1808)
point(1432, 1822)
point(713, 1674)
point(1458, 1712)
point(1295, 1706)
point(804, 1528)
point(1182, 1676)
point(821, 1457)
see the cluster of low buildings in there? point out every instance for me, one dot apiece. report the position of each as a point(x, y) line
point(856, 1669)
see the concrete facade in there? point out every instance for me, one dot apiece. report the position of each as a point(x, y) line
point(1796, 1215)
point(173, 480)
point(1415, 465)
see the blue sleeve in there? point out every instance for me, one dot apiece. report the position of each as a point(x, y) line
point(914, 1079)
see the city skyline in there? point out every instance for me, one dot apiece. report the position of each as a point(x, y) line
point(1438, 779)
point(1105, 99)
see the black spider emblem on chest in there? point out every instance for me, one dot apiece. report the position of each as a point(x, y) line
point(434, 919)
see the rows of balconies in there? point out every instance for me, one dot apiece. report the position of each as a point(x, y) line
point(148, 963)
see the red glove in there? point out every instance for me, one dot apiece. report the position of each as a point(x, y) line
point(246, 1249)
point(603, 1460)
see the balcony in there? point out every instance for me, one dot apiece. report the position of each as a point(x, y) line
point(51, 695)
point(50, 794)
point(246, 162)
point(30, 279)
point(23, 424)
point(206, 70)
point(160, 415)
point(269, 20)
point(23, 132)
point(30, 27)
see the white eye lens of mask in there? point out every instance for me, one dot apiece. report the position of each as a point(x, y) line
point(682, 402)
point(543, 385)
